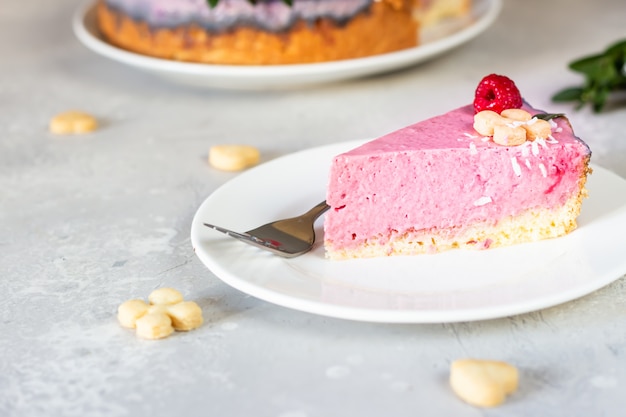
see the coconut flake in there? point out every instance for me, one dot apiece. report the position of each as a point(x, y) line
point(516, 123)
point(516, 167)
point(534, 147)
point(543, 170)
point(485, 138)
point(525, 148)
point(469, 135)
point(472, 148)
point(482, 201)
point(554, 126)
point(532, 121)
point(527, 162)
point(542, 142)
point(551, 140)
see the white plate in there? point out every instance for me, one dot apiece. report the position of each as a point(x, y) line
point(440, 39)
point(446, 287)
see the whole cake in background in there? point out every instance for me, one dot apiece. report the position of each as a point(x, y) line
point(268, 32)
point(495, 173)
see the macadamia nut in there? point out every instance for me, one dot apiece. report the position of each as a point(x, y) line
point(166, 312)
point(233, 157)
point(165, 296)
point(483, 383)
point(154, 326)
point(512, 127)
point(486, 120)
point(131, 310)
point(185, 316)
point(72, 122)
point(509, 135)
point(537, 129)
point(516, 114)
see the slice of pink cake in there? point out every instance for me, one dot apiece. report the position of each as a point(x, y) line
point(440, 184)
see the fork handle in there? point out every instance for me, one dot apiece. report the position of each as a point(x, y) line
point(317, 211)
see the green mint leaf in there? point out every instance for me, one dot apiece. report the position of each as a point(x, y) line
point(617, 48)
point(548, 116)
point(589, 66)
point(604, 74)
point(599, 99)
point(569, 94)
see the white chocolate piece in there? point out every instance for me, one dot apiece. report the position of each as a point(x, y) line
point(509, 135)
point(154, 326)
point(233, 157)
point(72, 122)
point(537, 128)
point(165, 296)
point(516, 114)
point(483, 383)
point(186, 315)
point(131, 310)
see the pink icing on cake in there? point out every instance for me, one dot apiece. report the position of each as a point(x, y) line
point(433, 183)
point(269, 14)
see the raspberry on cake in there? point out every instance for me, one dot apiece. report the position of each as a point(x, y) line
point(497, 93)
point(265, 32)
point(441, 184)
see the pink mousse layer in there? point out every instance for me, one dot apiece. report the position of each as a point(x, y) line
point(440, 173)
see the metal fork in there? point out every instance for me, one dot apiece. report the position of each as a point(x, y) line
point(288, 238)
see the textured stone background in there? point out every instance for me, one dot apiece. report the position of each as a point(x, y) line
point(88, 222)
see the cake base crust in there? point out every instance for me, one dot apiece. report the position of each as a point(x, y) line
point(529, 226)
point(387, 26)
